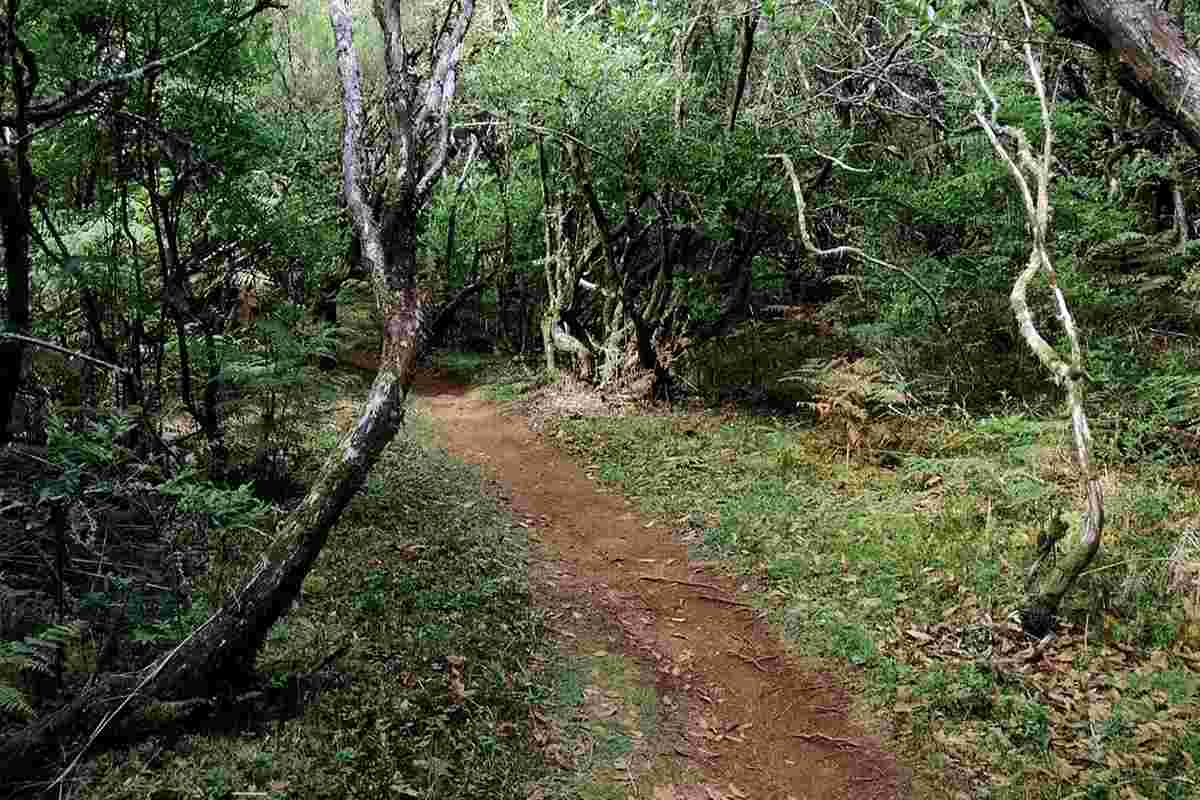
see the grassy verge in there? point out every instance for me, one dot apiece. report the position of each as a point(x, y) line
point(612, 728)
point(901, 550)
point(448, 681)
point(498, 378)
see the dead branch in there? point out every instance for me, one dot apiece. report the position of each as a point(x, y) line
point(693, 584)
point(65, 351)
point(836, 742)
point(1068, 371)
point(848, 250)
point(755, 660)
point(723, 601)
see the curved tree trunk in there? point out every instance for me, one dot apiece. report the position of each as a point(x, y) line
point(1032, 174)
point(223, 649)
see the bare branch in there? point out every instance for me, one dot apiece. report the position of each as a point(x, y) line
point(64, 350)
point(58, 107)
point(351, 78)
point(440, 94)
point(848, 250)
point(452, 222)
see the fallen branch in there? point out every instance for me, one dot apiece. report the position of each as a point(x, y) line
point(65, 351)
point(116, 712)
point(833, 741)
point(811, 708)
point(723, 601)
point(754, 660)
point(693, 584)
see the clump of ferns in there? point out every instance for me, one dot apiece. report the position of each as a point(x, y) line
point(40, 657)
point(849, 392)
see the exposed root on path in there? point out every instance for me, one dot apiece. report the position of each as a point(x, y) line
point(693, 584)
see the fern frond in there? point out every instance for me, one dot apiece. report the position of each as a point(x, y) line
point(14, 702)
point(42, 654)
point(65, 634)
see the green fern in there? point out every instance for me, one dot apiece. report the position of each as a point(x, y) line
point(13, 702)
point(39, 654)
point(62, 635)
point(14, 659)
point(1175, 397)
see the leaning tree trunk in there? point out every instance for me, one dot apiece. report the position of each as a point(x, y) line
point(1154, 62)
point(222, 650)
point(1047, 590)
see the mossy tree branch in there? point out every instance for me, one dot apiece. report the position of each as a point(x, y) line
point(1047, 593)
point(221, 652)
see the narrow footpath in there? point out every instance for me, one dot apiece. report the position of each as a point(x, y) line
point(756, 724)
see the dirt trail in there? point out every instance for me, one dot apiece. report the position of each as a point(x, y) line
point(754, 717)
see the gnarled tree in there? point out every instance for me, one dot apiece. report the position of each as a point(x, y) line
point(222, 650)
point(1026, 168)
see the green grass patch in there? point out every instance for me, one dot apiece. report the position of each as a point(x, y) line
point(448, 661)
point(900, 548)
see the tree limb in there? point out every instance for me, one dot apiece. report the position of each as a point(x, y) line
point(53, 109)
point(848, 250)
point(65, 351)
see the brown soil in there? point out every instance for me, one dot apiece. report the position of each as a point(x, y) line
point(758, 724)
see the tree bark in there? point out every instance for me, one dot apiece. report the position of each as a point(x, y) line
point(16, 209)
point(1153, 61)
point(223, 649)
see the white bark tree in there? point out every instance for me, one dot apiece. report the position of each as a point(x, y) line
point(223, 649)
point(1032, 174)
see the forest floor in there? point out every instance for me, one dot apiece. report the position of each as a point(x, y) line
point(705, 602)
point(714, 545)
point(737, 714)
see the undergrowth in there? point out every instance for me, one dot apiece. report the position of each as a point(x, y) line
point(446, 667)
point(902, 552)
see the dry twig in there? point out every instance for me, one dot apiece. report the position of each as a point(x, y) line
point(723, 601)
point(754, 660)
point(836, 742)
point(677, 582)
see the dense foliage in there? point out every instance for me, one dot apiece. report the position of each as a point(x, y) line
point(177, 247)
